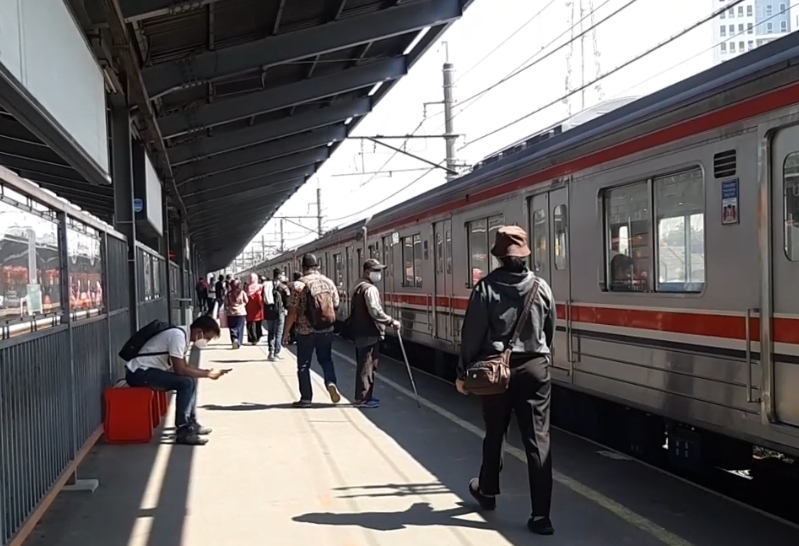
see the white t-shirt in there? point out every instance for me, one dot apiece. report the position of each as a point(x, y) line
point(173, 342)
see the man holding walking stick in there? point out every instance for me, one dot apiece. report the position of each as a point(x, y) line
point(367, 326)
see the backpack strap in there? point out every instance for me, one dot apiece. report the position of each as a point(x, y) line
point(528, 306)
point(164, 352)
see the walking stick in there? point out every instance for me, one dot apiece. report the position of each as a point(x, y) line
point(408, 366)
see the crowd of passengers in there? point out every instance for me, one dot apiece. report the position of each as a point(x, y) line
point(505, 355)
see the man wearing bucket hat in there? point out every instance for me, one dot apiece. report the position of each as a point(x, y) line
point(367, 326)
point(497, 302)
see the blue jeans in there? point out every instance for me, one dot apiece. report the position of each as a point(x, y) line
point(236, 325)
point(322, 344)
point(274, 329)
point(160, 380)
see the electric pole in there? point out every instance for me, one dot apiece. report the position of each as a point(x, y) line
point(449, 130)
point(282, 239)
point(318, 211)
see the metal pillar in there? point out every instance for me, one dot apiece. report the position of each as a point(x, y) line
point(124, 217)
point(449, 129)
point(167, 246)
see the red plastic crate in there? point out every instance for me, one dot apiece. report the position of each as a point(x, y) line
point(129, 415)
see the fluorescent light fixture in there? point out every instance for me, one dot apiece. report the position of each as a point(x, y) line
point(375, 88)
point(349, 120)
point(416, 40)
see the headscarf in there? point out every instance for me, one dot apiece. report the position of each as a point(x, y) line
point(254, 285)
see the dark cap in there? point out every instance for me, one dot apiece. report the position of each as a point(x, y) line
point(373, 265)
point(511, 242)
point(277, 271)
point(309, 261)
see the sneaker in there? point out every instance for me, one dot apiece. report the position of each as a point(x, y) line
point(486, 502)
point(201, 430)
point(301, 404)
point(188, 437)
point(235, 344)
point(540, 526)
point(369, 404)
point(335, 397)
point(270, 357)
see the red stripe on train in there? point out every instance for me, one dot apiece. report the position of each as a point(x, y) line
point(675, 322)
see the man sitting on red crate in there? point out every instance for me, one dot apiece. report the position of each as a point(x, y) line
point(161, 365)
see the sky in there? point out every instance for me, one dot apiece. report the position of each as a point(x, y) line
point(491, 41)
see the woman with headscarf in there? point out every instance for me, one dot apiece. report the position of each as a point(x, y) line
point(236, 311)
point(255, 309)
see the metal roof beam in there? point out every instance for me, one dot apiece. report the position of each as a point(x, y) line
point(229, 233)
point(260, 153)
point(233, 180)
point(138, 10)
point(233, 140)
point(282, 48)
point(265, 187)
point(284, 96)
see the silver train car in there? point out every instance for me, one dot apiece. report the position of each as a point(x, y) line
point(669, 232)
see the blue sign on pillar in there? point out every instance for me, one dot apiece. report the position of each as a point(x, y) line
point(138, 205)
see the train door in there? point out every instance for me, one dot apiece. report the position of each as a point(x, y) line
point(442, 308)
point(784, 296)
point(549, 234)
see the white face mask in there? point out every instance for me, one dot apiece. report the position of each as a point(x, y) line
point(282, 279)
point(200, 343)
point(375, 276)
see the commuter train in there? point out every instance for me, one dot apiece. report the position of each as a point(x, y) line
point(669, 232)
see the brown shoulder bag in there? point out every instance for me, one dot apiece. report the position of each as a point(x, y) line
point(491, 375)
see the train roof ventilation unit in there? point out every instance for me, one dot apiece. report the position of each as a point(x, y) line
point(724, 164)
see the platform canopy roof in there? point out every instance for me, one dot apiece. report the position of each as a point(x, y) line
point(240, 101)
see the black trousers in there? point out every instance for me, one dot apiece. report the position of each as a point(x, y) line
point(366, 359)
point(254, 331)
point(528, 396)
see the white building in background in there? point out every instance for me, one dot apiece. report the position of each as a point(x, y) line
point(748, 25)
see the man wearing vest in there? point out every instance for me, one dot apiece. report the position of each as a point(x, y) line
point(161, 365)
point(313, 311)
point(368, 324)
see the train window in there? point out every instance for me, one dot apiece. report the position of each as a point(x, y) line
point(359, 265)
point(561, 227)
point(439, 251)
point(680, 213)
point(478, 250)
point(540, 237)
point(412, 261)
point(448, 239)
point(338, 270)
point(481, 237)
point(790, 175)
point(628, 232)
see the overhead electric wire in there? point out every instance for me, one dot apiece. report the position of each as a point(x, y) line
point(609, 73)
point(506, 40)
point(402, 189)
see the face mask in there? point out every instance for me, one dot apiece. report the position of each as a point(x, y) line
point(200, 343)
point(282, 279)
point(375, 276)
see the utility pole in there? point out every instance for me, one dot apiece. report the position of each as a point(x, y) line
point(282, 239)
point(449, 130)
point(318, 211)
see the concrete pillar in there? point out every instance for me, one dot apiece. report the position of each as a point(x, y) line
point(124, 218)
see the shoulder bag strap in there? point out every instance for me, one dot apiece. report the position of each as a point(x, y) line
point(528, 305)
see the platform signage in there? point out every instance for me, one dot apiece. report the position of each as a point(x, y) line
point(729, 202)
point(138, 205)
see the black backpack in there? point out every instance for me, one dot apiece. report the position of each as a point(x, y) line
point(132, 346)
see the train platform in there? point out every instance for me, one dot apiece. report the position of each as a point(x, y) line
point(396, 475)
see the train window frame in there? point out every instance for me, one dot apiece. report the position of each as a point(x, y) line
point(411, 242)
point(653, 235)
point(491, 262)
